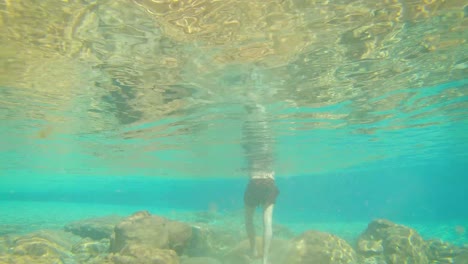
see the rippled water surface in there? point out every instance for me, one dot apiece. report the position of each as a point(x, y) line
point(159, 88)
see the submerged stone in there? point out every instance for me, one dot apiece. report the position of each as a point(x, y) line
point(441, 252)
point(153, 231)
point(392, 242)
point(320, 247)
point(43, 247)
point(88, 249)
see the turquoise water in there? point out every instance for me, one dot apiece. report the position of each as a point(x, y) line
point(429, 197)
point(113, 107)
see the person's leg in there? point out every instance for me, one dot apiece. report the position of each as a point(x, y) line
point(249, 227)
point(267, 230)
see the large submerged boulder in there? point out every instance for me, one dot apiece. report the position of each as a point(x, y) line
point(146, 239)
point(395, 244)
point(442, 252)
point(40, 247)
point(320, 247)
point(87, 249)
point(149, 231)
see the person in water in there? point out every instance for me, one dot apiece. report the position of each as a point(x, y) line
point(261, 189)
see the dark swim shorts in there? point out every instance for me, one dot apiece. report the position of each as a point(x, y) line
point(260, 192)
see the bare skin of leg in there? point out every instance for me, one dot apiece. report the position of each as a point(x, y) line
point(267, 231)
point(249, 227)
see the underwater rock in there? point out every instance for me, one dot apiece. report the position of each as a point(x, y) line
point(199, 260)
point(94, 228)
point(42, 247)
point(395, 243)
point(153, 231)
point(320, 247)
point(144, 254)
point(240, 254)
point(442, 252)
point(88, 249)
point(370, 247)
point(61, 238)
point(179, 236)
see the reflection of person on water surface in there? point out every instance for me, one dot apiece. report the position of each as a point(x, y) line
point(261, 189)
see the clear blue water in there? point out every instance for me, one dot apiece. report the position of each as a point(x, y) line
point(428, 194)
